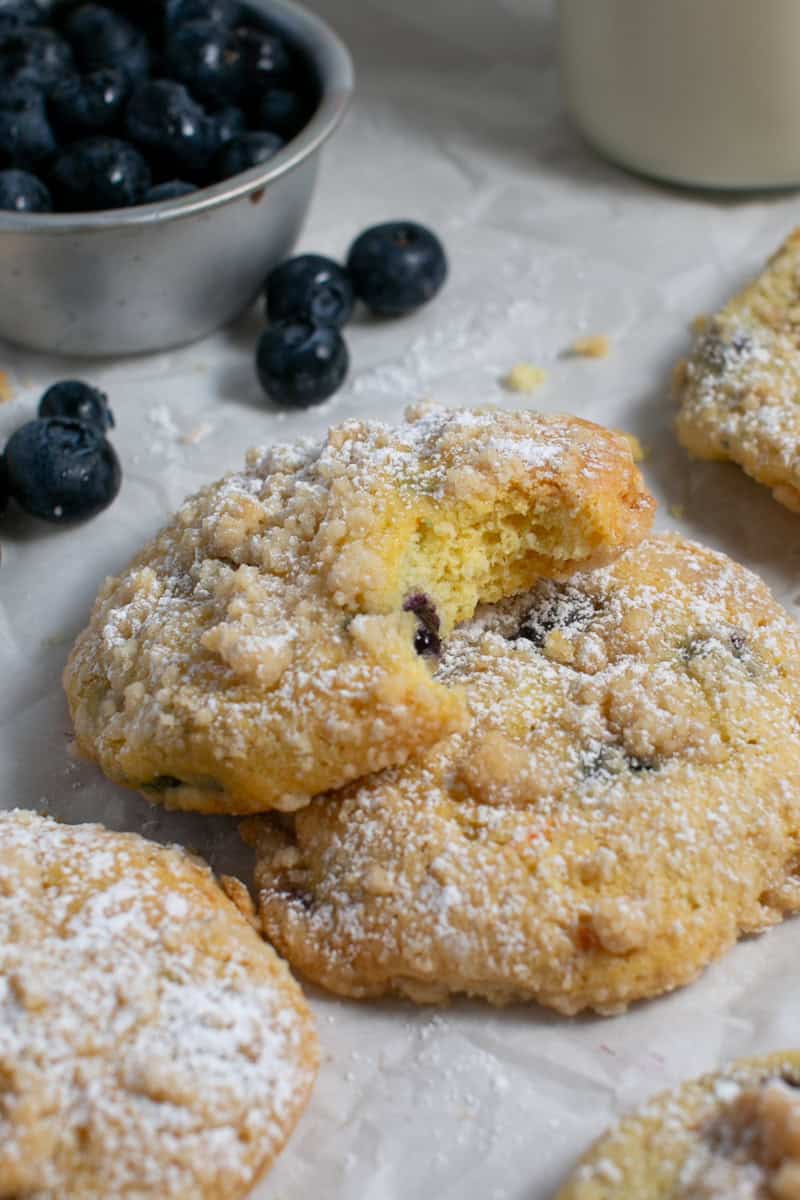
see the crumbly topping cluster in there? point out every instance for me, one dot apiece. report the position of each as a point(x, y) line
point(616, 812)
point(740, 389)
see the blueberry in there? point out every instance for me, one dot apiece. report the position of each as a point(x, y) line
point(247, 150)
point(559, 607)
point(37, 56)
point(164, 119)
point(220, 12)
point(102, 38)
point(228, 123)
point(207, 59)
point(26, 138)
point(78, 401)
point(396, 267)
point(264, 59)
point(427, 639)
point(61, 470)
point(299, 363)
point(19, 14)
point(22, 192)
point(284, 111)
point(171, 189)
point(98, 173)
point(83, 105)
point(309, 288)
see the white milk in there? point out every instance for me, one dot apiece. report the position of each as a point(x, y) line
point(694, 91)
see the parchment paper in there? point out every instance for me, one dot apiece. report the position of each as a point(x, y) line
point(458, 124)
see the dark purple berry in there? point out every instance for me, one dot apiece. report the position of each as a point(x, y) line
point(61, 470)
point(300, 364)
point(36, 56)
point(220, 12)
point(19, 14)
point(228, 123)
point(171, 189)
point(163, 119)
point(264, 59)
point(103, 38)
point(22, 192)
point(207, 59)
point(78, 401)
point(99, 173)
point(245, 151)
point(84, 105)
point(26, 138)
point(396, 267)
point(284, 111)
point(311, 288)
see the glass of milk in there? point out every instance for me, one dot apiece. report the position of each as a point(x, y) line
point(700, 92)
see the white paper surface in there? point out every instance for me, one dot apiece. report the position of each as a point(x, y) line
point(457, 124)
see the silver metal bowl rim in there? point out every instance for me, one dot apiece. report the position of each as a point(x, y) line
point(335, 68)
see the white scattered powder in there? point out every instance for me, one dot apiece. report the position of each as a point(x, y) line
point(150, 1047)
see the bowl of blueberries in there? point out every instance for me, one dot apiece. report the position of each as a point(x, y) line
point(157, 159)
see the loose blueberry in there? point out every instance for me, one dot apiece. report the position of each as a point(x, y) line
point(171, 189)
point(299, 363)
point(206, 58)
point(163, 119)
point(26, 138)
point(78, 401)
point(220, 12)
point(61, 470)
point(22, 192)
point(19, 14)
point(284, 111)
point(102, 38)
point(264, 59)
point(310, 288)
point(98, 173)
point(247, 150)
point(36, 56)
point(83, 105)
point(396, 267)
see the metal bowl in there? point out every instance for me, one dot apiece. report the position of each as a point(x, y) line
point(138, 279)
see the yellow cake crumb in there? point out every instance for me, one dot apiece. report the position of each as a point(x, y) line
point(524, 377)
point(699, 323)
point(596, 345)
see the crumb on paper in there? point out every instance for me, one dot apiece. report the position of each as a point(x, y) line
point(6, 388)
point(699, 323)
point(596, 345)
point(192, 436)
point(677, 511)
point(524, 377)
point(638, 452)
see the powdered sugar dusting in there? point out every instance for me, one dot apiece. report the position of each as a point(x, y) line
point(622, 804)
point(149, 1045)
